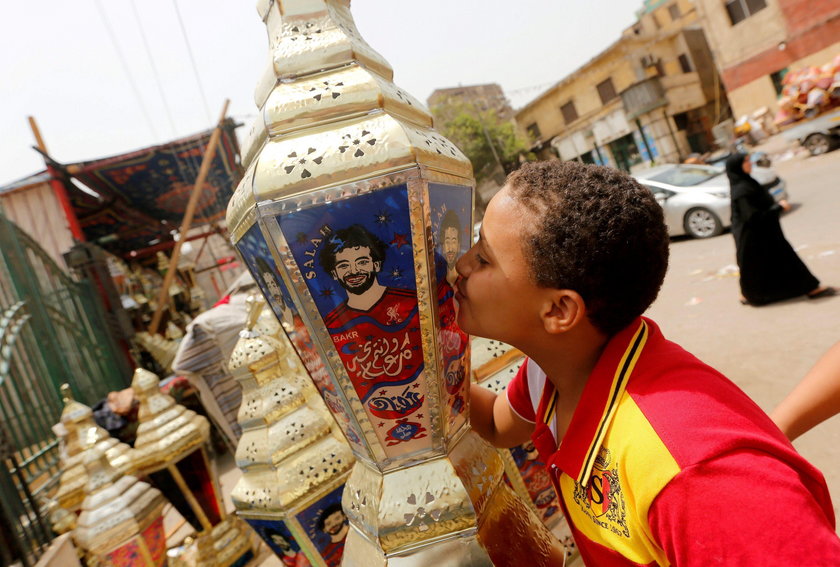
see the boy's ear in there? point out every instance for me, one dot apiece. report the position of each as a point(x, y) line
point(564, 309)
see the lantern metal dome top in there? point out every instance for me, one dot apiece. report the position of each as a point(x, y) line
point(167, 431)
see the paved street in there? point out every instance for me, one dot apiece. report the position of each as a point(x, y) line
point(766, 350)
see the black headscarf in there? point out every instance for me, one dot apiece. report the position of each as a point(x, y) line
point(740, 182)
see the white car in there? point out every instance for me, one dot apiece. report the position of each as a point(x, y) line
point(695, 198)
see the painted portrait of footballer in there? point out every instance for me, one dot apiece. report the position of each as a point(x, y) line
point(356, 257)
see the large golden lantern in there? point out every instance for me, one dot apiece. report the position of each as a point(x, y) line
point(342, 217)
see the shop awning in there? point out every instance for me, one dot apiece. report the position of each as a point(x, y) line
point(141, 196)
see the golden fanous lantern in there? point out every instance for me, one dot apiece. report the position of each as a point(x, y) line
point(226, 545)
point(293, 464)
point(82, 435)
point(170, 449)
point(350, 217)
point(121, 524)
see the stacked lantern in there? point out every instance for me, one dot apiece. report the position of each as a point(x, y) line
point(83, 435)
point(341, 218)
point(170, 447)
point(171, 450)
point(294, 465)
point(121, 523)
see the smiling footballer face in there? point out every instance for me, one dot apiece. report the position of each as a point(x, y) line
point(355, 269)
point(451, 246)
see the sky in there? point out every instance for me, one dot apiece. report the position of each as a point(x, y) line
point(104, 77)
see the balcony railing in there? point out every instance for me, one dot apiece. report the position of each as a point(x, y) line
point(643, 97)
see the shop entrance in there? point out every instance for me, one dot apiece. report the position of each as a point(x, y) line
point(625, 152)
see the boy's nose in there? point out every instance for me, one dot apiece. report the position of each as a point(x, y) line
point(464, 264)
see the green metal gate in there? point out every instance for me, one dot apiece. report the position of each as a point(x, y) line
point(51, 332)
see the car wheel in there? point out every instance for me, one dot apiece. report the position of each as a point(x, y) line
point(817, 144)
point(702, 223)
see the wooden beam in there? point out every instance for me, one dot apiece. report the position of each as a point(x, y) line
point(163, 296)
point(58, 187)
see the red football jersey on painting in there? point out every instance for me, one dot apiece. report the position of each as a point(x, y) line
point(381, 347)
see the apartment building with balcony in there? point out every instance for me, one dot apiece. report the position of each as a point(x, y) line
point(652, 96)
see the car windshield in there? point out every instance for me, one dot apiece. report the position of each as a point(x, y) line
point(687, 175)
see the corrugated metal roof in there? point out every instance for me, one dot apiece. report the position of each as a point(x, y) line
point(34, 179)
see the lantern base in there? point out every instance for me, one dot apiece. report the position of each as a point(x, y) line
point(455, 507)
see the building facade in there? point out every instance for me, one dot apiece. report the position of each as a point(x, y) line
point(652, 96)
point(477, 98)
point(756, 42)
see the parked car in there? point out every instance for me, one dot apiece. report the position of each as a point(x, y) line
point(818, 135)
point(695, 198)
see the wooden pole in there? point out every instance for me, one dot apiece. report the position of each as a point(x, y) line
point(186, 222)
point(58, 187)
point(191, 499)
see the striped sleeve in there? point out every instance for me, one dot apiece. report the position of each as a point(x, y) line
point(519, 395)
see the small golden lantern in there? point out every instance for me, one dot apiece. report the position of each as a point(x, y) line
point(84, 435)
point(121, 524)
point(171, 447)
point(227, 545)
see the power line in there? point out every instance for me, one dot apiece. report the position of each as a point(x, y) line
point(154, 67)
point(193, 169)
point(192, 61)
point(126, 68)
point(194, 68)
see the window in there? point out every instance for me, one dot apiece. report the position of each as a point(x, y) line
point(777, 79)
point(685, 63)
point(674, 11)
point(569, 112)
point(534, 131)
point(606, 91)
point(740, 10)
point(660, 69)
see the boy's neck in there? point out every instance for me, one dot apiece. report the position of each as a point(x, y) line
point(567, 361)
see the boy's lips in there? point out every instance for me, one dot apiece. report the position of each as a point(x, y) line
point(460, 294)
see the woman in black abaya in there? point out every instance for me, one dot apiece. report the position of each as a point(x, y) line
point(770, 269)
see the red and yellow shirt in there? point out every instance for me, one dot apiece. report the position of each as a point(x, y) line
point(667, 462)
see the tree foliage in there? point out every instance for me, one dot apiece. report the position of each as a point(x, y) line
point(474, 130)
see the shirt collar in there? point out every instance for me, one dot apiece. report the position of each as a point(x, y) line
point(599, 401)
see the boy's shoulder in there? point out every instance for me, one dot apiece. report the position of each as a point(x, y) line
point(695, 409)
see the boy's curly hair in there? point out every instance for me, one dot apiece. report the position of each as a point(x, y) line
point(597, 232)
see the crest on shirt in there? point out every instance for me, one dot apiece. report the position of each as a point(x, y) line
point(602, 498)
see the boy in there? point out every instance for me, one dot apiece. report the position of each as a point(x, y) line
point(658, 459)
